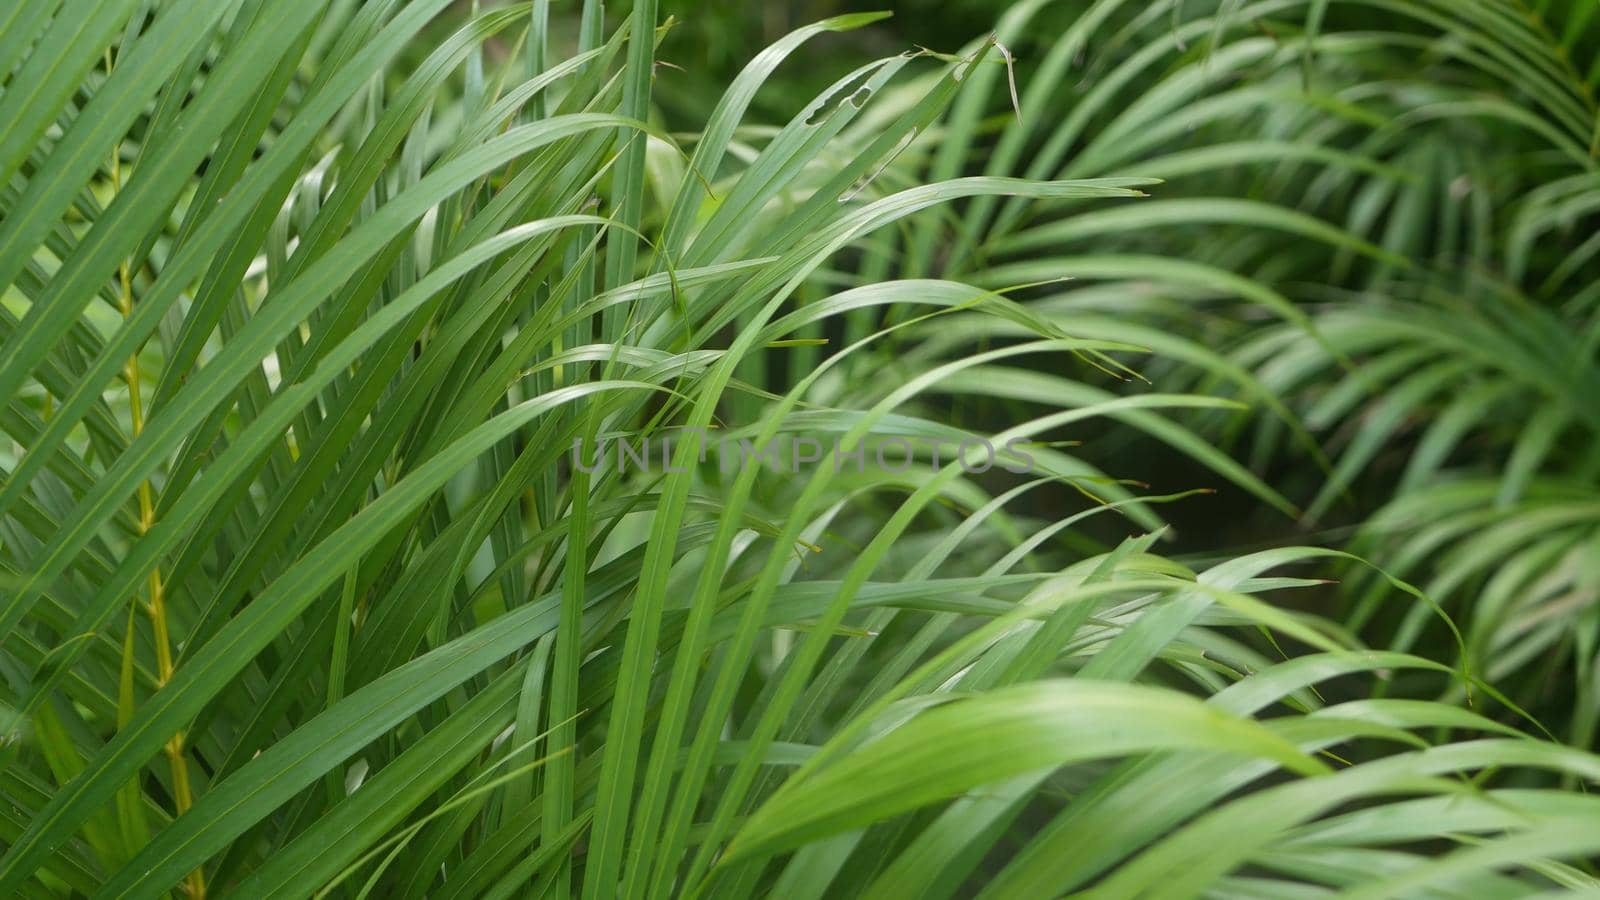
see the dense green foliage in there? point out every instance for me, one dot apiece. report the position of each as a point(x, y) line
point(1292, 305)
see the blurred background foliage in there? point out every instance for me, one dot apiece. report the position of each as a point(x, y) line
point(1415, 177)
